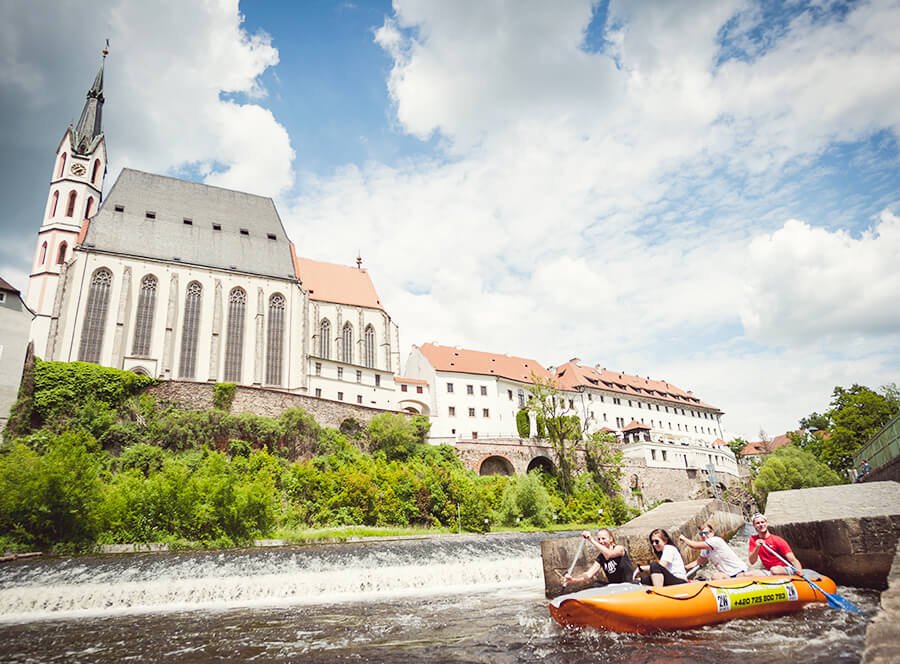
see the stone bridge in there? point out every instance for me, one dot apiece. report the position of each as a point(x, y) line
point(507, 456)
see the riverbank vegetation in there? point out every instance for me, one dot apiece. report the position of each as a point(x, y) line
point(88, 459)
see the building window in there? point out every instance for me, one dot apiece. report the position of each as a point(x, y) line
point(604, 417)
point(359, 377)
point(318, 368)
point(403, 388)
point(590, 397)
point(377, 380)
point(369, 359)
point(340, 371)
point(150, 214)
point(509, 394)
point(275, 341)
point(484, 390)
point(89, 207)
point(43, 256)
point(347, 344)
point(70, 206)
point(451, 411)
point(54, 203)
point(418, 389)
point(474, 435)
point(639, 404)
point(318, 392)
point(325, 339)
point(470, 389)
point(653, 454)
point(143, 322)
point(358, 396)
point(521, 398)
point(449, 387)
point(95, 172)
point(95, 316)
point(471, 412)
point(234, 344)
point(62, 165)
point(340, 396)
point(217, 227)
point(190, 330)
point(485, 412)
point(119, 208)
point(187, 222)
point(571, 405)
point(663, 455)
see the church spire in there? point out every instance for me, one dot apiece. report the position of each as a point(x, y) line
point(90, 124)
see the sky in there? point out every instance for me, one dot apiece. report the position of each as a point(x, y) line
point(706, 193)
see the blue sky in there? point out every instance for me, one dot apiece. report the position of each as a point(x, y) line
point(704, 193)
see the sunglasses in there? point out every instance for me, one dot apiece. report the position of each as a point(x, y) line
point(657, 541)
point(704, 532)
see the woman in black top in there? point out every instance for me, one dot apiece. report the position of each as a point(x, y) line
point(613, 559)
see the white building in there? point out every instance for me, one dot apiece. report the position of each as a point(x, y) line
point(180, 280)
point(658, 422)
point(15, 321)
point(474, 395)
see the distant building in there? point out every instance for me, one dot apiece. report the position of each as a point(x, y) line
point(180, 280)
point(15, 322)
point(763, 448)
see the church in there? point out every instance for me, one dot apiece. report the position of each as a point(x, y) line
point(186, 281)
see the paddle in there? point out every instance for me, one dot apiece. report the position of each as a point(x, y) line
point(574, 560)
point(835, 601)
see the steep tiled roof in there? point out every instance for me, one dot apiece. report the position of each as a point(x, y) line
point(329, 282)
point(764, 447)
point(461, 360)
point(573, 374)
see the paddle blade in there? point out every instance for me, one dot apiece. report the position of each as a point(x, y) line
point(838, 602)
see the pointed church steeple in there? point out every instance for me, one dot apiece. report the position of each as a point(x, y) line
point(90, 124)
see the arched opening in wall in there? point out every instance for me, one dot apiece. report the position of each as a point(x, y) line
point(496, 465)
point(412, 409)
point(140, 371)
point(70, 207)
point(62, 165)
point(61, 254)
point(95, 172)
point(54, 203)
point(542, 464)
point(89, 207)
point(43, 256)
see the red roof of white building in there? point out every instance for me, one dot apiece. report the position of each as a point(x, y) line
point(341, 284)
point(634, 425)
point(573, 374)
point(765, 447)
point(462, 360)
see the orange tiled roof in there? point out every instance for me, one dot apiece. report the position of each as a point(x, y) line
point(763, 447)
point(461, 360)
point(330, 282)
point(413, 381)
point(634, 425)
point(572, 374)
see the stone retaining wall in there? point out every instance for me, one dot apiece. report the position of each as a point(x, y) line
point(883, 633)
point(262, 401)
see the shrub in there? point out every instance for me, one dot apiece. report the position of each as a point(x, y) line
point(223, 395)
point(395, 435)
point(523, 424)
point(525, 499)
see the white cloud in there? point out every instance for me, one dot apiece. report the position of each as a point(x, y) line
point(807, 283)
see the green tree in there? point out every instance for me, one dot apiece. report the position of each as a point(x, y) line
point(397, 436)
point(791, 467)
point(856, 414)
point(603, 459)
point(523, 424)
point(736, 445)
point(815, 422)
point(525, 501)
point(561, 430)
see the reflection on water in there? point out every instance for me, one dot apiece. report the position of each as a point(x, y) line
point(469, 599)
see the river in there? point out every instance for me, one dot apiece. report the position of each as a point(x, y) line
point(466, 598)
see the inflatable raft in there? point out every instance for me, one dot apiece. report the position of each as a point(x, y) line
point(627, 607)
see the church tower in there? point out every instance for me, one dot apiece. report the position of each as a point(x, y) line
point(76, 186)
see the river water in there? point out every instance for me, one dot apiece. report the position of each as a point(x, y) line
point(465, 598)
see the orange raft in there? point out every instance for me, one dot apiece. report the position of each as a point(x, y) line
point(627, 607)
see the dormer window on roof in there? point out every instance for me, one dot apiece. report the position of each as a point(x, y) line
point(119, 208)
point(149, 214)
point(245, 232)
point(188, 222)
point(217, 227)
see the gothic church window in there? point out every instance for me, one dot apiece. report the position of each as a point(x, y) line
point(43, 253)
point(54, 203)
point(70, 207)
point(95, 316)
point(234, 345)
point(143, 322)
point(61, 254)
point(95, 172)
point(190, 330)
point(89, 207)
point(369, 359)
point(275, 346)
point(62, 165)
point(325, 339)
point(347, 345)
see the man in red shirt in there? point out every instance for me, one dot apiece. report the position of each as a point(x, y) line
point(774, 542)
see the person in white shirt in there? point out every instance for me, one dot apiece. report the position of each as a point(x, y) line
point(669, 569)
point(715, 550)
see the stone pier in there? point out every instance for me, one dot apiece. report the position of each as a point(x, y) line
point(848, 532)
point(680, 518)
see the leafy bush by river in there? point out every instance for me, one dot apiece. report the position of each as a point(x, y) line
point(87, 461)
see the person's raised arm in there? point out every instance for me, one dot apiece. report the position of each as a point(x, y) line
point(753, 554)
point(583, 576)
point(694, 544)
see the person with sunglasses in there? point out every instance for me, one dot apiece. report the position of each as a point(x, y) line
point(613, 559)
point(715, 550)
point(777, 544)
point(669, 569)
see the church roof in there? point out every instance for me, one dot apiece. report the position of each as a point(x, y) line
point(90, 125)
point(461, 360)
point(164, 218)
point(573, 374)
point(342, 284)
